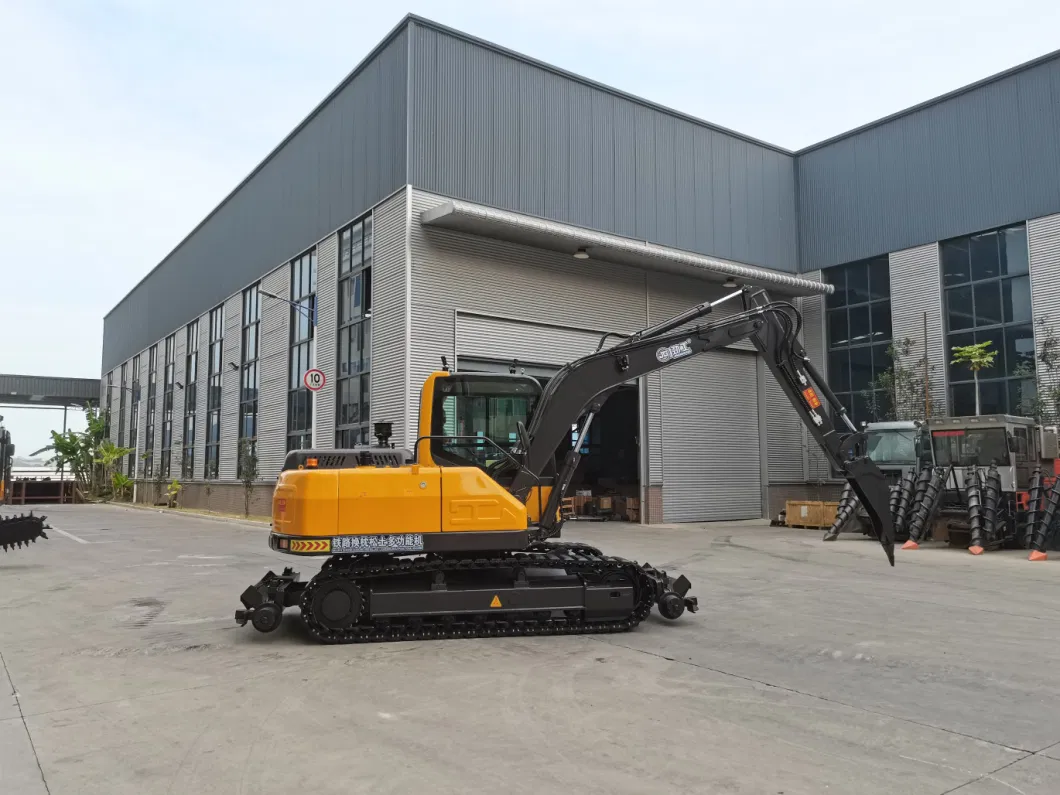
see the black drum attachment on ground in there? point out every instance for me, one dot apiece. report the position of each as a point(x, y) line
point(548, 589)
point(22, 529)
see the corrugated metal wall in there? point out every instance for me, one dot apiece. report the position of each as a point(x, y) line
point(456, 272)
point(327, 338)
point(707, 422)
point(160, 370)
point(502, 339)
point(390, 390)
point(141, 416)
point(916, 291)
point(491, 128)
point(1043, 238)
point(347, 157)
point(980, 159)
point(273, 365)
point(231, 353)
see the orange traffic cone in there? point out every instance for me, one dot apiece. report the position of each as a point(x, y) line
point(1036, 555)
point(976, 550)
point(910, 544)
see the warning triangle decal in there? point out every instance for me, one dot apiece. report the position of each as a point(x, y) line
point(496, 601)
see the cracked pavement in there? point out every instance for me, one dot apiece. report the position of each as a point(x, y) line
point(810, 668)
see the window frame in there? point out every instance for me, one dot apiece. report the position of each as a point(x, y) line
point(1007, 381)
point(214, 385)
point(152, 407)
point(302, 287)
point(249, 370)
point(134, 418)
point(356, 245)
point(169, 371)
point(191, 376)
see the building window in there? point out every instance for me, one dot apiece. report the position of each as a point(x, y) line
point(249, 376)
point(191, 376)
point(858, 330)
point(110, 390)
point(123, 389)
point(988, 298)
point(134, 418)
point(213, 393)
point(355, 335)
point(167, 405)
point(149, 441)
point(300, 399)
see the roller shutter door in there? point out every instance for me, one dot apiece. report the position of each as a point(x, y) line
point(710, 439)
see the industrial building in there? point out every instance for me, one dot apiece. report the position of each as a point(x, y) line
point(453, 198)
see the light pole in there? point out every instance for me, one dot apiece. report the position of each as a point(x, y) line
point(310, 313)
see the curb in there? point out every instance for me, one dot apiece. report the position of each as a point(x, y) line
point(257, 524)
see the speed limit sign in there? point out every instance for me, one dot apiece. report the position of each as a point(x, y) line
point(314, 380)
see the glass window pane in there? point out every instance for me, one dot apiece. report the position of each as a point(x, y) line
point(860, 368)
point(837, 278)
point(955, 269)
point(356, 247)
point(837, 328)
point(958, 372)
point(839, 370)
point(881, 321)
point(962, 400)
point(988, 304)
point(857, 283)
point(997, 338)
point(880, 278)
point(861, 410)
point(959, 308)
point(1019, 351)
point(983, 253)
point(859, 326)
point(366, 396)
point(1014, 250)
point(1021, 394)
point(993, 397)
point(344, 252)
point(881, 360)
point(1016, 299)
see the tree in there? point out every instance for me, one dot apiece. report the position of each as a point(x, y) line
point(108, 455)
point(78, 452)
point(975, 357)
point(248, 471)
point(904, 384)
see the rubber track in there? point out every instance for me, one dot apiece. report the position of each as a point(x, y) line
point(574, 558)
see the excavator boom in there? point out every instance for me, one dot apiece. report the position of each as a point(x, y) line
point(580, 389)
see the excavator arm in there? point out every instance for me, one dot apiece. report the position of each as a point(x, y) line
point(580, 389)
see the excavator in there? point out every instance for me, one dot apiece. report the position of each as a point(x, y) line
point(458, 537)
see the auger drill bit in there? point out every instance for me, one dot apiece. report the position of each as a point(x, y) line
point(1045, 521)
point(927, 509)
point(974, 495)
point(919, 491)
point(905, 497)
point(18, 530)
point(1034, 506)
point(848, 504)
point(991, 495)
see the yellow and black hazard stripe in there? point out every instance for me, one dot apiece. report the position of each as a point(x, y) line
point(300, 546)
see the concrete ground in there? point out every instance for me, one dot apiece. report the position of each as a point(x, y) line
point(811, 668)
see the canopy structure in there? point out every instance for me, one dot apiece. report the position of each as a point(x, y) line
point(32, 390)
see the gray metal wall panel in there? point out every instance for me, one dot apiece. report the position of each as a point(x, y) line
point(708, 406)
point(160, 371)
point(1043, 238)
point(203, 368)
point(348, 155)
point(654, 411)
point(74, 388)
point(973, 161)
point(916, 291)
point(231, 353)
point(327, 338)
point(503, 339)
point(389, 319)
point(273, 364)
point(141, 414)
point(454, 272)
point(609, 162)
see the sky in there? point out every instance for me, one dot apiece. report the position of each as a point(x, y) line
point(128, 121)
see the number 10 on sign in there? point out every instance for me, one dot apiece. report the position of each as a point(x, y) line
point(314, 380)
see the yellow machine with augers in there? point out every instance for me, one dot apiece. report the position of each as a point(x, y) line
point(455, 538)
